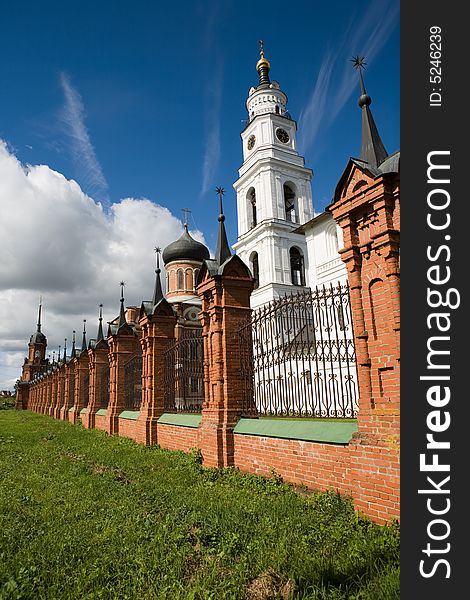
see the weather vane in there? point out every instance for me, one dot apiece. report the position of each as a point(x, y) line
point(359, 62)
point(261, 47)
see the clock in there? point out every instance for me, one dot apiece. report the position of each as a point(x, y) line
point(282, 135)
point(251, 142)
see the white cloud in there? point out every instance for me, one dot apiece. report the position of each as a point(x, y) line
point(86, 162)
point(58, 242)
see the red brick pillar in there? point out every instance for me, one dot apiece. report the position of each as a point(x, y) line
point(98, 362)
point(60, 391)
point(67, 400)
point(225, 294)
point(157, 333)
point(47, 408)
point(81, 369)
point(22, 395)
point(367, 209)
point(122, 346)
point(54, 391)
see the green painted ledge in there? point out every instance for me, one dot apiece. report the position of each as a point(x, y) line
point(102, 412)
point(133, 415)
point(84, 410)
point(332, 432)
point(181, 419)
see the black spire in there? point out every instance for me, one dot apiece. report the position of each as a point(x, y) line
point(100, 335)
point(58, 357)
point(73, 353)
point(65, 350)
point(39, 315)
point(222, 252)
point(372, 148)
point(157, 293)
point(263, 66)
point(84, 336)
point(122, 314)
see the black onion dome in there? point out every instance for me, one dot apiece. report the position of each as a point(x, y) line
point(185, 248)
point(38, 338)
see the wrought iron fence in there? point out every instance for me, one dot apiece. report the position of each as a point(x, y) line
point(86, 389)
point(184, 374)
point(133, 383)
point(298, 358)
point(72, 389)
point(103, 398)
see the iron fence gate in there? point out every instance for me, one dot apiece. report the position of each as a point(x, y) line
point(184, 374)
point(297, 356)
point(133, 383)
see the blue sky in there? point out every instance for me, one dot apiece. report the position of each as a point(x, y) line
point(147, 100)
point(163, 87)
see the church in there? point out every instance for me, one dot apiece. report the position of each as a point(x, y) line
point(302, 322)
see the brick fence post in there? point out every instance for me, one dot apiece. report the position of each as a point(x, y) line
point(367, 209)
point(157, 333)
point(60, 391)
point(123, 345)
point(22, 395)
point(225, 294)
point(68, 389)
point(81, 370)
point(98, 362)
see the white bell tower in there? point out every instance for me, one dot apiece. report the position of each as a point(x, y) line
point(274, 194)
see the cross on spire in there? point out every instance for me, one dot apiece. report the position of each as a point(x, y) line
point(261, 47)
point(186, 212)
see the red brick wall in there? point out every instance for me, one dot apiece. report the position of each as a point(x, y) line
point(101, 422)
point(316, 465)
point(174, 437)
point(127, 428)
point(367, 473)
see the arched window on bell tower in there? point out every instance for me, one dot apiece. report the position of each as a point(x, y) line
point(289, 203)
point(297, 269)
point(254, 264)
point(180, 279)
point(252, 215)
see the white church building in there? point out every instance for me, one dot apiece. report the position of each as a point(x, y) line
point(287, 246)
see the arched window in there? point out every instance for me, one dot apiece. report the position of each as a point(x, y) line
point(196, 273)
point(252, 207)
point(180, 279)
point(255, 268)
point(277, 109)
point(289, 203)
point(297, 267)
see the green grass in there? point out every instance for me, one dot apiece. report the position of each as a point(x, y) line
point(86, 515)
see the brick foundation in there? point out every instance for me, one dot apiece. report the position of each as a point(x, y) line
point(173, 437)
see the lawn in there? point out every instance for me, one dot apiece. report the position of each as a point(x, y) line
point(86, 515)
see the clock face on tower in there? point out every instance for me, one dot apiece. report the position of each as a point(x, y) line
point(251, 142)
point(282, 135)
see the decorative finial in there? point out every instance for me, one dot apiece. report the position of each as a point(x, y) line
point(157, 292)
point(372, 149)
point(263, 66)
point(84, 336)
point(359, 63)
point(58, 355)
point(220, 192)
point(65, 350)
point(100, 336)
point(222, 252)
point(122, 315)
